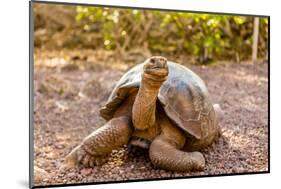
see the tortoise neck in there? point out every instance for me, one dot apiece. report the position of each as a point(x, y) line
point(144, 107)
point(150, 84)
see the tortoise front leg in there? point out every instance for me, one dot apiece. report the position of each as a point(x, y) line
point(165, 150)
point(95, 147)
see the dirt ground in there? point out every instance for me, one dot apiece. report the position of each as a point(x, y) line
point(68, 95)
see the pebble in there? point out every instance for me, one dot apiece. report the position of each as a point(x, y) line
point(86, 171)
point(40, 175)
point(71, 175)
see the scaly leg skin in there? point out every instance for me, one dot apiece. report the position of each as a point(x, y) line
point(95, 147)
point(155, 73)
point(165, 151)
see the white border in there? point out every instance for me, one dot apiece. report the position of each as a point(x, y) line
point(14, 91)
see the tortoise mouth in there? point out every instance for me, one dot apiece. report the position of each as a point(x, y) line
point(154, 80)
point(156, 71)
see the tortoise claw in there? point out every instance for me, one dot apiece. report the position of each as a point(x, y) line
point(199, 160)
point(78, 156)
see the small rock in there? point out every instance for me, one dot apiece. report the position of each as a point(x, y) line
point(70, 67)
point(71, 175)
point(40, 175)
point(86, 171)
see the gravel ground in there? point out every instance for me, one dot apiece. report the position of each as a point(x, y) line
point(66, 107)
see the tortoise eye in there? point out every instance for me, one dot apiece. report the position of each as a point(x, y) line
point(152, 60)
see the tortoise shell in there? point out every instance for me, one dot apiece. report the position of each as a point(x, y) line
point(183, 96)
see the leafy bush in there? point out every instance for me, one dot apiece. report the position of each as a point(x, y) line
point(197, 35)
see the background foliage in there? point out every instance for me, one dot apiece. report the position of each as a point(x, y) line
point(198, 37)
point(204, 36)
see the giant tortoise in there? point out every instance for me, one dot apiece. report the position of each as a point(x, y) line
point(158, 105)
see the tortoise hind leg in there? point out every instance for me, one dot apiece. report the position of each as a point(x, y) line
point(165, 151)
point(95, 147)
point(164, 154)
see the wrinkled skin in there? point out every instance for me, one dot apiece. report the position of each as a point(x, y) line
point(141, 121)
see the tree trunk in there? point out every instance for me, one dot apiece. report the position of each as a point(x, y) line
point(255, 38)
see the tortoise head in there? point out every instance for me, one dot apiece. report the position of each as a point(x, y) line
point(156, 67)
